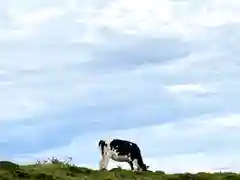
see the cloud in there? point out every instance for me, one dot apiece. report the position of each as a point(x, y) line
point(192, 144)
point(36, 17)
point(156, 18)
point(166, 72)
point(157, 51)
point(186, 88)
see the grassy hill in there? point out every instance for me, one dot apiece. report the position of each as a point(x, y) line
point(57, 170)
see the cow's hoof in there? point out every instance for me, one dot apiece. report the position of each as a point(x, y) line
point(103, 169)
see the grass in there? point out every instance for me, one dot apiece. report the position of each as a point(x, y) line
point(54, 169)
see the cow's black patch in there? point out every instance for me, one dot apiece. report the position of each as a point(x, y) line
point(102, 144)
point(128, 148)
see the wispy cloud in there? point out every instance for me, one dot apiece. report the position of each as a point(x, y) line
point(162, 74)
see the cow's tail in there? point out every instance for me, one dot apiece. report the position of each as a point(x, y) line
point(101, 145)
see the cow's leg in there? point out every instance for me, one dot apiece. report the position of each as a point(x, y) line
point(131, 165)
point(104, 162)
point(135, 163)
point(101, 163)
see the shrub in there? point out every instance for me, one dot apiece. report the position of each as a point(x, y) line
point(9, 166)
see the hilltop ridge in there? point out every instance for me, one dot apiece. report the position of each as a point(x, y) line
point(57, 170)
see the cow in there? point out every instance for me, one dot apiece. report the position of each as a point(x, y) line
point(121, 151)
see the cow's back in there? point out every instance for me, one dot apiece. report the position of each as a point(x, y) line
point(124, 147)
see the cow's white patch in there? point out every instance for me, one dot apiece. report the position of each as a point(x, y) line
point(114, 155)
point(121, 158)
point(135, 164)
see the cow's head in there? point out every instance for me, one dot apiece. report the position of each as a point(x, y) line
point(144, 167)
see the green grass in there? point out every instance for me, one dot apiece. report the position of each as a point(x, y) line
point(57, 170)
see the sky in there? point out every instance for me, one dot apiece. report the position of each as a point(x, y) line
point(164, 74)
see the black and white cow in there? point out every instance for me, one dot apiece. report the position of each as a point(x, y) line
point(121, 151)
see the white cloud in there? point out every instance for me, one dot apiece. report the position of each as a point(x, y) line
point(155, 17)
point(195, 88)
point(201, 144)
point(73, 72)
point(37, 17)
point(196, 162)
point(186, 93)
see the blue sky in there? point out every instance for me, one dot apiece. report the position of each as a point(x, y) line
point(162, 73)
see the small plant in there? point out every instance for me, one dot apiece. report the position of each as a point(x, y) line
point(55, 160)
